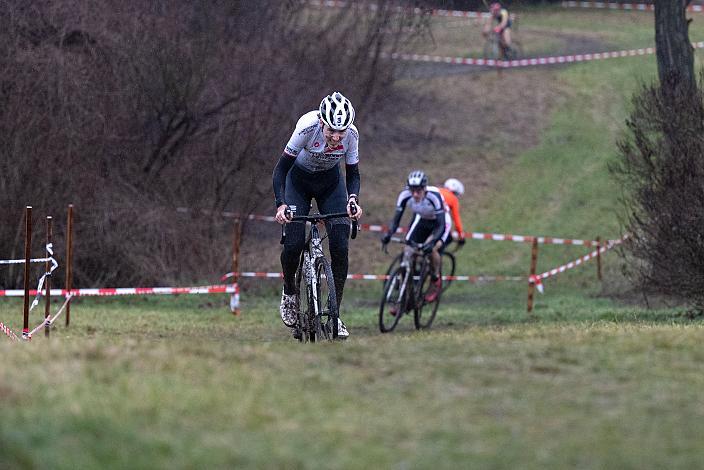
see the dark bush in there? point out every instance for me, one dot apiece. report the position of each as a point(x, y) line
point(131, 109)
point(661, 168)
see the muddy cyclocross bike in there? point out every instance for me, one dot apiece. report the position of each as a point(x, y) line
point(406, 288)
point(318, 312)
point(449, 263)
point(495, 48)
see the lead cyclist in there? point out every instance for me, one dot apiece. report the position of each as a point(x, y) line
point(308, 169)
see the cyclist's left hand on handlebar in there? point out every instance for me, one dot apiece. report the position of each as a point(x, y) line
point(283, 214)
point(354, 210)
point(428, 247)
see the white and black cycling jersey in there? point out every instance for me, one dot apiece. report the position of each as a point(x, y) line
point(428, 208)
point(307, 144)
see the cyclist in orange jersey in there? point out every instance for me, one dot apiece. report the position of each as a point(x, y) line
point(451, 192)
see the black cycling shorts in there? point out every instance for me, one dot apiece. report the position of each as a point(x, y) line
point(421, 229)
point(327, 187)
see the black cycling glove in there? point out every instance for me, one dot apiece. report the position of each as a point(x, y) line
point(386, 238)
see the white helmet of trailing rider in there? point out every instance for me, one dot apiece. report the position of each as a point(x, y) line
point(455, 186)
point(336, 111)
point(417, 179)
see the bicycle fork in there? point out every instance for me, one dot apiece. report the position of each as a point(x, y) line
point(309, 258)
point(404, 285)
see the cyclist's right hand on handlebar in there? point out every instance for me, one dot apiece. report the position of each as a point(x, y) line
point(283, 214)
point(386, 238)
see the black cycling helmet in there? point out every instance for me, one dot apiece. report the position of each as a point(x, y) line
point(417, 179)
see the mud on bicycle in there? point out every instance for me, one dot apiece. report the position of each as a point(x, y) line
point(318, 312)
point(406, 288)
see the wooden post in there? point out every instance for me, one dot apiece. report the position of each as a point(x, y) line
point(533, 267)
point(47, 267)
point(69, 260)
point(27, 260)
point(598, 258)
point(236, 238)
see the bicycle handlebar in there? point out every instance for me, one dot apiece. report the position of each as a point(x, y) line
point(411, 243)
point(315, 218)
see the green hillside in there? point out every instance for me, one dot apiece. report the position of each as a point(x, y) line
point(591, 379)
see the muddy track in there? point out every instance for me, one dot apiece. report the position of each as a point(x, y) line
point(571, 44)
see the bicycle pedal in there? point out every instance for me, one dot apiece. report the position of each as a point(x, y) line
point(297, 334)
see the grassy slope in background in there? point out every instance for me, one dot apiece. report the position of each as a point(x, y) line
point(156, 383)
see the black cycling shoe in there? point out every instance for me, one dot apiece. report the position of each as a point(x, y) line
point(296, 334)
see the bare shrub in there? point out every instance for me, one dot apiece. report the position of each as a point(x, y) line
point(131, 109)
point(661, 168)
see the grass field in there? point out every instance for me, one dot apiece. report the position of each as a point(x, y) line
point(587, 381)
point(166, 383)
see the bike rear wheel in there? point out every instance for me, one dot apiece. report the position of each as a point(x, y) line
point(491, 49)
point(448, 268)
point(393, 303)
point(514, 52)
point(325, 324)
point(424, 312)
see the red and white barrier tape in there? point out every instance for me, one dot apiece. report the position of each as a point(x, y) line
point(235, 300)
point(622, 6)
point(538, 278)
point(381, 277)
point(473, 235)
point(40, 284)
point(11, 334)
point(21, 261)
point(402, 9)
point(48, 321)
point(552, 60)
point(113, 291)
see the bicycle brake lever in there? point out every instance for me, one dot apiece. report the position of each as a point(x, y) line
point(355, 226)
point(289, 212)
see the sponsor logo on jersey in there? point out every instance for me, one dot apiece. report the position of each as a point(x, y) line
point(334, 149)
point(322, 161)
point(308, 130)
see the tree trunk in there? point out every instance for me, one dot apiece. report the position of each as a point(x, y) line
point(675, 53)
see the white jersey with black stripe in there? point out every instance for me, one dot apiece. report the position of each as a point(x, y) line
point(307, 144)
point(428, 208)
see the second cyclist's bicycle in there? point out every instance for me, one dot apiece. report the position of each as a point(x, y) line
point(318, 312)
point(406, 288)
point(495, 48)
point(447, 268)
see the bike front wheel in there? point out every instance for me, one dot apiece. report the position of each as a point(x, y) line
point(305, 308)
point(424, 313)
point(325, 323)
point(392, 301)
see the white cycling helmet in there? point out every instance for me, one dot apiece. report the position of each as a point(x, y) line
point(455, 186)
point(336, 111)
point(417, 178)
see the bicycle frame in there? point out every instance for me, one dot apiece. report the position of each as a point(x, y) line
point(313, 257)
point(411, 253)
point(312, 251)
